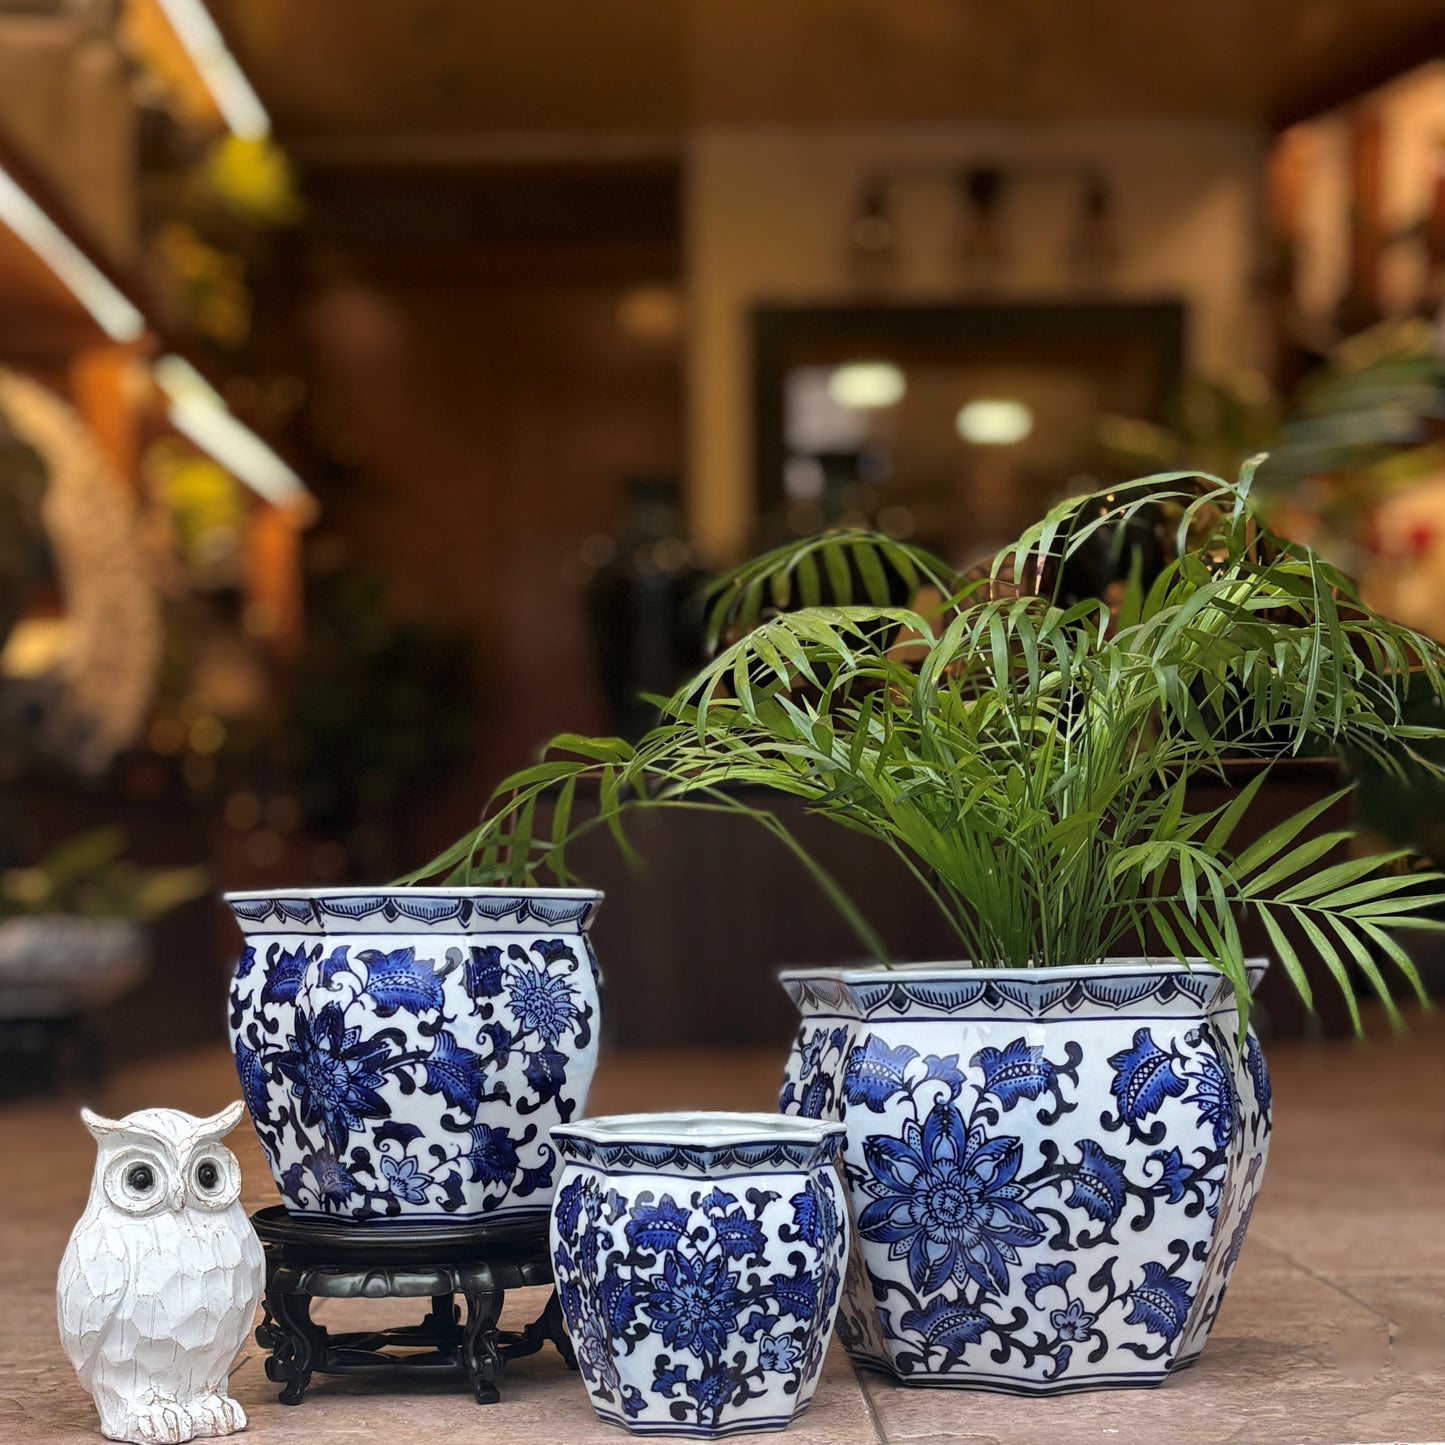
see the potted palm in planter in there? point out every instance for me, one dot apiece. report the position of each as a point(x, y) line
point(1052, 1151)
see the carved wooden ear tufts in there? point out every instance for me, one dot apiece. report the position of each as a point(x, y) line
point(98, 1124)
point(219, 1125)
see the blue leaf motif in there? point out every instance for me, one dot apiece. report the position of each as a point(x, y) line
point(336, 962)
point(1098, 1183)
point(254, 1082)
point(568, 1209)
point(1160, 1303)
point(493, 1155)
point(1258, 1073)
point(668, 1380)
point(1048, 1276)
point(618, 1298)
point(284, 977)
point(454, 1072)
point(738, 1236)
point(1174, 1174)
point(946, 1071)
point(389, 1131)
point(549, 950)
point(484, 972)
point(546, 1072)
point(246, 962)
point(657, 1227)
point(1019, 1071)
point(399, 980)
point(950, 1323)
point(796, 1296)
point(875, 1072)
point(1143, 1078)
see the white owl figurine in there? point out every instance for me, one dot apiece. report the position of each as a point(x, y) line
point(160, 1282)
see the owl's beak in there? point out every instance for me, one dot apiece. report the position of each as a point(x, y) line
point(177, 1197)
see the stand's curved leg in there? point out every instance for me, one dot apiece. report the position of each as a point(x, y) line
point(297, 1344)
point(480, 1355)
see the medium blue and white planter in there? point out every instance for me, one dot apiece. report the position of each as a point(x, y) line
point(699, 1262)
point(1050, 1171)
point(404, 1052)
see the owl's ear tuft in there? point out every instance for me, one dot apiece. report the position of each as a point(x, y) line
point(219, 1125)
point(98, 1124)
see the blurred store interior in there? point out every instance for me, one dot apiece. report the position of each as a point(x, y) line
point(380, 382)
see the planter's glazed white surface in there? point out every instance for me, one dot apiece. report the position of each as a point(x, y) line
point(699, 1261)
point(403, 1052)
point(1050, 1171)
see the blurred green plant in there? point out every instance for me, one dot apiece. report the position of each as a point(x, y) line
point(1030, 762)
point(89, 876)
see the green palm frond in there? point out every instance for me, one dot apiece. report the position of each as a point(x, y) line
point(1028, 762)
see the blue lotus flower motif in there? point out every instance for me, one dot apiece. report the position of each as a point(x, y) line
point(334, 1074)
point(404, 1178)
point(541, 1004)
point(1072, 1323)
point(947, 1200)
point(779, 1355)
point(693, 1304)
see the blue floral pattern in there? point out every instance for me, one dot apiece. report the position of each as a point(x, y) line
point(697, 1308)
point(413, 1073)
point(1058, 1206)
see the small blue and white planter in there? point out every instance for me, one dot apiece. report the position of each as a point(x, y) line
point(404, 1052)
point(1050, 1171)
point(699, 1261)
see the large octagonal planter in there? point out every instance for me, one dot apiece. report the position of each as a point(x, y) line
point(404, 1052)
point(1050, 1171)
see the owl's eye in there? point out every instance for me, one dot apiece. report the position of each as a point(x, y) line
point(140, 1178)
point(207, 1174)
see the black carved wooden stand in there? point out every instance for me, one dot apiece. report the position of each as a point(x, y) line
point(318, 1259)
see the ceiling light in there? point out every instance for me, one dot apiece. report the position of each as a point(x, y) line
point(113, 311)
point(199, 414)
point(867, 385)
point(239, 105)
point(994, 423)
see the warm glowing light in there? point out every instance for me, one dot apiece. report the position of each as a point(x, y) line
point(993, 422)
point(867, 385)
point(239, 105)
point(113, 312)
point(198, 413)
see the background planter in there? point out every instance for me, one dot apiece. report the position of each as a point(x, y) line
point(699, 1259)
point(404, 1052)
point(1050, 1171)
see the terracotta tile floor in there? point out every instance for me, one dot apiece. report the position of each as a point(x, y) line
point(1333, 1332)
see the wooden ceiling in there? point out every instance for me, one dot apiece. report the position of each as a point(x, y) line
point(340, 74)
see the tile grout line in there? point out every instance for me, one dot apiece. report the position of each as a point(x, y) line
point(879, 1434)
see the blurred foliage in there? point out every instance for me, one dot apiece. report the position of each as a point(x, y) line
point(212, 283)
point(1214, 423)
point(88, 876)
point(1368, 423)
point(381, 706)
point(255, 181)
point(206, 505)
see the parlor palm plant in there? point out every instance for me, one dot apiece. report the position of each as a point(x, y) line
point(1030, 762)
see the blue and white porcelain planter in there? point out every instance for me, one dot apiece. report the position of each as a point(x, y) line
point(1050, 1171)
point(403, 1052)
point(699, 1260)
